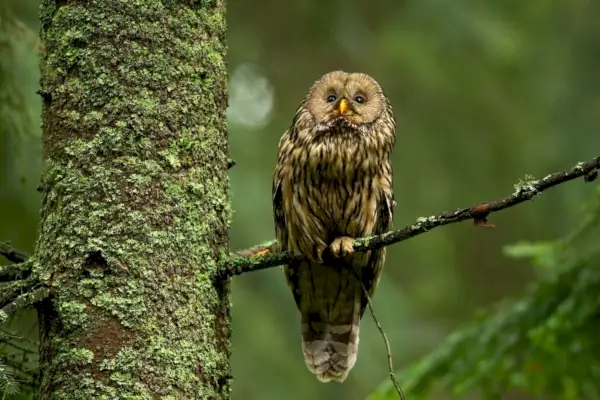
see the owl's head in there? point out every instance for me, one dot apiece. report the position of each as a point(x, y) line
point(346, 100)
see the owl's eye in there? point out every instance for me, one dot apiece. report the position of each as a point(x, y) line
point(331, 98)
point(359, 99)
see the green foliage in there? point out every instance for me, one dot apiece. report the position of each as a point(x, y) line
point(545, 343)
point(8, 385)
point(18, 360)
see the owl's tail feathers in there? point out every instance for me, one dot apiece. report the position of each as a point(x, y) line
point(330, 350)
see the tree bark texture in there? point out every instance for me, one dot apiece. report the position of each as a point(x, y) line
point(135, 208)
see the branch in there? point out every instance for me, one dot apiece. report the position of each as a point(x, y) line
point(267, 255)
point(11, 291)
point(385, 341)
point(23, 300)
point(10, 273)
point(12, 254)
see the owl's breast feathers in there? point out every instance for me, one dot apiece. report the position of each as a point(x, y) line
point(335, 185)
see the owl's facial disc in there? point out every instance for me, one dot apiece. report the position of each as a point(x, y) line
point(343, 103)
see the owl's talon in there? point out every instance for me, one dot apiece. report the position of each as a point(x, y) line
point(319, 250)
point(342, 246)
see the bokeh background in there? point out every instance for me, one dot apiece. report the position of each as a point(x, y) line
point(485, 92)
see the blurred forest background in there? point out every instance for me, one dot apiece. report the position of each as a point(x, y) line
point(485, 92)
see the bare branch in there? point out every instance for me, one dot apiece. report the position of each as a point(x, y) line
point(12, 254)
point(385, 341)
point(267, 255)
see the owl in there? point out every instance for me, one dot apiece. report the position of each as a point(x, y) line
point(332, 184)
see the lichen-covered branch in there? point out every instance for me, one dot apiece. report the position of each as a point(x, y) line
point(13, 295)
point(19, 301)
point(267, 255)
point(9, 273)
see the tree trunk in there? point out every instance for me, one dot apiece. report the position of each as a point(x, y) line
point(135, 209)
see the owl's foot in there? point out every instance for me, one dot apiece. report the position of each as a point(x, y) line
point(342, 246)
point(319, 253)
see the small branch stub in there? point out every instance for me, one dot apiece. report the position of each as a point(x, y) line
point(479, 214)
point(592, 175)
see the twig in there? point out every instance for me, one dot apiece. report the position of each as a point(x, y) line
point(385, 340)
point(15, 272)
point(268, 256)
point(11, 291)
point(15, 343)
point(7, 337)
point(24, 300)
point(12, 254)
point(10, 273)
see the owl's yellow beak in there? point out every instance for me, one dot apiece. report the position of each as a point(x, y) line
point(343, 107)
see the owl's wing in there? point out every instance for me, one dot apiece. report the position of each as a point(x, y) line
point(281, 230)
point(278, 215)
point(385, 211)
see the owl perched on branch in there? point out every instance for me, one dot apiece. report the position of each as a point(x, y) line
point(333, 183)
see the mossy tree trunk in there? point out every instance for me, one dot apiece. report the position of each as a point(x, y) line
point(135, 208)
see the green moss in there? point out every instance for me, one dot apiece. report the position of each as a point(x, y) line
point(76, 358)
point(136, 210)
point(76, 318)
point(526, 185)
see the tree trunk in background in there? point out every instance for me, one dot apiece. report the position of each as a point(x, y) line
point(135, 209)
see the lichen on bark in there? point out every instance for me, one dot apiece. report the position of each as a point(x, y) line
point(135, 207)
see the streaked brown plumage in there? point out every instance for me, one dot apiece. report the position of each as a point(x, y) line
point(333, 183)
